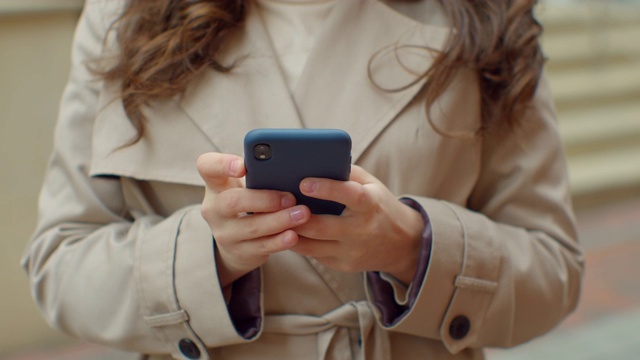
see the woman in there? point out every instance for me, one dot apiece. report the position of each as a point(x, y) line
point(458, 232)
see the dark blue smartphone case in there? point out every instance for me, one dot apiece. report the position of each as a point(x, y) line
point(278, 159)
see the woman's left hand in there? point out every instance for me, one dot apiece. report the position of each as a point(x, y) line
point(376, 232)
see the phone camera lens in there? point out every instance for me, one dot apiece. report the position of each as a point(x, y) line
point(262, 152)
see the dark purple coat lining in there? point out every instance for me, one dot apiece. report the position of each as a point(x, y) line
point(382, 292)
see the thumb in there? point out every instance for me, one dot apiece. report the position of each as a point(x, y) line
point(361, 176)
point(221, 171)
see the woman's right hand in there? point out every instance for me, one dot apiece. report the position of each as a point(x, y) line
point(244, 242)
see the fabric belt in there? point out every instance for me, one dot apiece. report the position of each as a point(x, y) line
point(374, 341)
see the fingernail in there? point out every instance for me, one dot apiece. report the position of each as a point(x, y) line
point(297, 215)
point(234, 167)
point(309, 186)
point(287, 201)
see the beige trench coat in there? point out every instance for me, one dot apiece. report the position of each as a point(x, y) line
point(122, 256)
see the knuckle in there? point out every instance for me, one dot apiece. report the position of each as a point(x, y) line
point(221, 241)
point(360, 196)
point(269, 245)
point(211, 165)
point(261, 248)
point(206, 210)
point(229, 201)
point(252, 228)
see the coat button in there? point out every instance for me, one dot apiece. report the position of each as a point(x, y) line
point(459, 327)
point(189, 349)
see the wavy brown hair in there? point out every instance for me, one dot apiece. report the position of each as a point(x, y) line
point(499, 41)
point(164, 44)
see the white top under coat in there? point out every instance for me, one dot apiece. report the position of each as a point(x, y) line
point(292, 26)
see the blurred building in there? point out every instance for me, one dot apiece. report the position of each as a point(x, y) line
point(593, 48)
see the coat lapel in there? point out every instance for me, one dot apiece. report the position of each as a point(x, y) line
point(336, 88)
point(253, 95)
point(213, 114)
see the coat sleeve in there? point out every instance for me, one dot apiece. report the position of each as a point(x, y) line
point(97, 270)
point(507, 267)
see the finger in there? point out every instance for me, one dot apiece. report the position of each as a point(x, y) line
point(323, 227)
point(361, 176)
point(267, 245)
point(238, 259)
point(274, 243)
point(350, 193)
point(240, 200)
point(315, 248)
point(220, 171)
point(263, 225)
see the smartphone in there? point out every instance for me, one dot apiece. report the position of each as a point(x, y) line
point(278, 159)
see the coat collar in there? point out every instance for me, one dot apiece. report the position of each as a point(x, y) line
point(334, 89)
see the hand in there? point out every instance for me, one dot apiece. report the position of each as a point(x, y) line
point(244, 242)
point(376, 232)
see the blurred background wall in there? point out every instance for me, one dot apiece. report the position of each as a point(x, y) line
point(593, 48)
point(35, 38)
point(594, 69)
